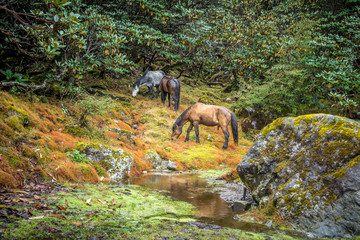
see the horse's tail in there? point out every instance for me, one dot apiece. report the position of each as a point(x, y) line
point(177, 94)
point(234, 127)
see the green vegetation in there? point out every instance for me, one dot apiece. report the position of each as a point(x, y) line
point(114, 212)
point(306, 52)
point(67, 67)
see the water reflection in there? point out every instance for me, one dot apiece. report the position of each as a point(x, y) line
point(193, 189)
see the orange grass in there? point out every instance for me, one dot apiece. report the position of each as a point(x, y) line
point(48, 147)
point(69, 171)
point(7, 175)
point(111, 136)
point(123, 125)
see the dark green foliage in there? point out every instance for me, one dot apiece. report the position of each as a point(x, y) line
point(280, 56)
point(76, 156)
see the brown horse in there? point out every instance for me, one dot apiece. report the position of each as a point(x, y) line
point(170, 86)
point(208, 115)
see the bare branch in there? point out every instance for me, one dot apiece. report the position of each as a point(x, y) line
point(17, 15)
point(35, 87)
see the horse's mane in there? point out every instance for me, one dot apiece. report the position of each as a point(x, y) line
point(178, 120)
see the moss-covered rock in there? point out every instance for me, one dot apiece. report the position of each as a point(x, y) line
point(158, 162)
point(124, 134)
point(309, 168)
point(154, 158)
point(116, 161)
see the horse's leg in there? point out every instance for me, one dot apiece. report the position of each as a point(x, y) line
point(151, 92)
point(163, 96)
point(158, 91)
point(174, 99)
point(188, 132)
point(196, 126)
point(169, 100)
point(226, 134)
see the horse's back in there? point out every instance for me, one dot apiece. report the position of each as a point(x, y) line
point(157, 76)
point(173, 84)
point(210, 114)
point(164, 86)
point(153, 77)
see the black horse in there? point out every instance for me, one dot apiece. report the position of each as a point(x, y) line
point(170, 86)
point(151, 79)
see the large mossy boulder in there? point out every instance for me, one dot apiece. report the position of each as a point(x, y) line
point(117, 162)
point(308, 167)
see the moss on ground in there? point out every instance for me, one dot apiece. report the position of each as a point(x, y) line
point(113, 212)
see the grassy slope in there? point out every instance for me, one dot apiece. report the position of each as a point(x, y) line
point(36, 135)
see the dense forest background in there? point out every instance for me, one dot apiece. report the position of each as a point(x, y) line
point(280, 57)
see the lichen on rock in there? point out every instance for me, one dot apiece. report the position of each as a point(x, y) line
point(308, 166)
point(158, 162)
point(116, 161)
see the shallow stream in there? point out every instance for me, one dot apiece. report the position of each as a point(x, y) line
point(212, 208)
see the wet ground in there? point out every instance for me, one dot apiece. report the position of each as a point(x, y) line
point(213, 201)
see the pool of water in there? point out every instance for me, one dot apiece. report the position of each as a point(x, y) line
point(212, 209)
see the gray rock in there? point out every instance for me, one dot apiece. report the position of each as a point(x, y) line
point(309, 168)
point(158, 162)
point(241, 205)
point(155, 159)
point(117, 162)
point(269, 224)
point(171, 166)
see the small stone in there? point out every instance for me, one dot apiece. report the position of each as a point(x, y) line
point(269, 224)
point(241, 205)
point(171, 166)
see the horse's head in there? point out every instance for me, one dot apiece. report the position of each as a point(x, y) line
point(176, 132)
point(135, 90)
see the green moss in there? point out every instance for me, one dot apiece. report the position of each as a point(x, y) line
point(274, 125)
point(85, 169)
point(15, 122)
point(124, 134)
point(198, 156)
point(113, 212)
point(83, 146)
point(77, 131)
point(17, 111)
point(93, 133)
point(145, 118)
point(209, 98)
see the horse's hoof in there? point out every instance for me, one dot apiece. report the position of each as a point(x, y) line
point(224, 147)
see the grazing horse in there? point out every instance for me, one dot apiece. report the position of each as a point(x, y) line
point(208, 115)
point(151, 79)
point(170, 86)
